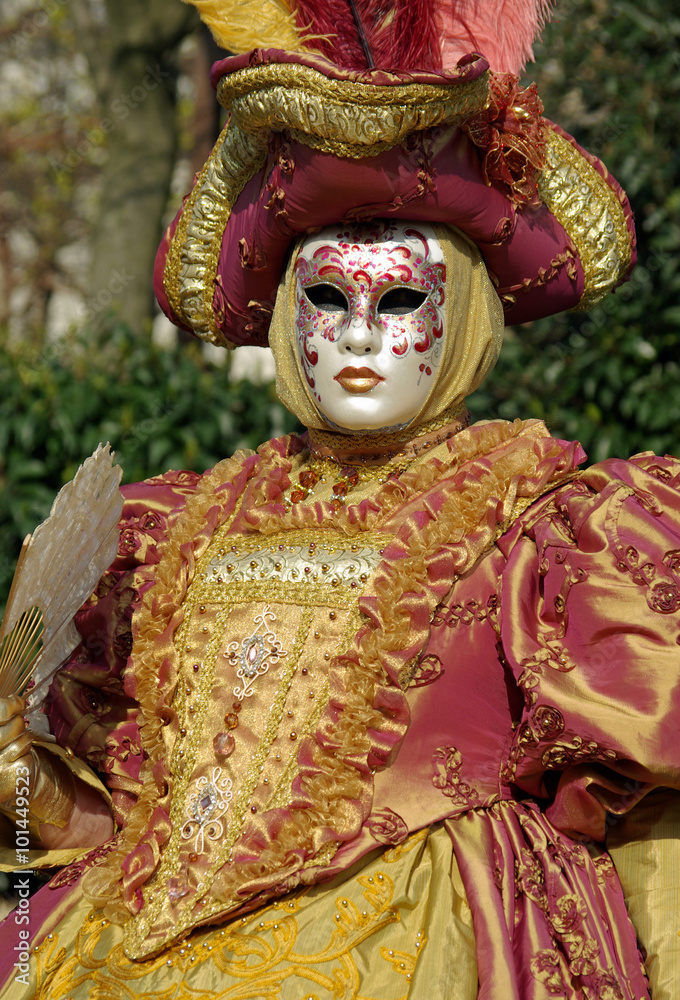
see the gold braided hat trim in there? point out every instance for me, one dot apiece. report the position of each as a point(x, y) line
point(191, 264)
point(343, 117)
point(592, 214)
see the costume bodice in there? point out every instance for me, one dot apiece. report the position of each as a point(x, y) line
point(421, 640)
point(255, 608)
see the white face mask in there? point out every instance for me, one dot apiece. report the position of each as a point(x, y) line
point(369, 321)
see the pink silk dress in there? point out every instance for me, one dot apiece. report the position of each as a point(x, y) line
point(490, 649)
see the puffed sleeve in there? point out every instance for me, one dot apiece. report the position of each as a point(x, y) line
point(88, 709)
point(590, 626)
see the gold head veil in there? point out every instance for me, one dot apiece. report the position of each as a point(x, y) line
point(473, 330)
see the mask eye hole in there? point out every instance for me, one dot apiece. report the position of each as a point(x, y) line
point(326, 297)
point(401, 301)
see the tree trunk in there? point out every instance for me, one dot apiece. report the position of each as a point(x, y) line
point(138, 99)
point(206, 124)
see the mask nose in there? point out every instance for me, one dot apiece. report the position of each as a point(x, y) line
point(361, 335)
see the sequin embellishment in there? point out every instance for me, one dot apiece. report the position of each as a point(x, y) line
point(205, 809)
point(302, 564)
point(255, 654)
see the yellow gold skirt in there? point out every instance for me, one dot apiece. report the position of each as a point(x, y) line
point(396, 925)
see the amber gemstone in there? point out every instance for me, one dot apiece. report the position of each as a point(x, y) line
point(350, 475)
point(193, 857)
point(231, 720)
point(297, 496)
point(336, 503)
point(340, 489)
point(308, 478)
point(224, 744)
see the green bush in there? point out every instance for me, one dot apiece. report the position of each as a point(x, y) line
point(160, 409)
point(610, 74)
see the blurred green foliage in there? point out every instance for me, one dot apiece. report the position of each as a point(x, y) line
point(610, 74)
point(160, 409)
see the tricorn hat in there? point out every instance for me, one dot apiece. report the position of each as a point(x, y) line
point(405, 109)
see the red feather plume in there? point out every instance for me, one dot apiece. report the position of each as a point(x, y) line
point(332, 31)
point(503, 31)
point(365, 34)
point(413, 41)
point(422, 34)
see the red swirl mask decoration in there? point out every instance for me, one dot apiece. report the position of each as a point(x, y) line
point(369, 321)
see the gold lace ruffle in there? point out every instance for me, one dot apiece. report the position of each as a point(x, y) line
point(378, 449)
point(159, 616)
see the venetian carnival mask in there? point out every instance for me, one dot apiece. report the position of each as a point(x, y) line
point(369, 321)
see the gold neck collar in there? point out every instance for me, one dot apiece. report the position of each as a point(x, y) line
point(382, 447)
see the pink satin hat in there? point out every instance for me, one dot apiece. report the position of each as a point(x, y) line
point(308, 144)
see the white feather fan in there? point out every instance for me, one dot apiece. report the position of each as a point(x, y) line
point(59, 567)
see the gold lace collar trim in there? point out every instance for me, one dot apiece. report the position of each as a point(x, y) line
point(383, 446)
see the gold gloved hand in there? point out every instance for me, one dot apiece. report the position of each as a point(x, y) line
point(35, 786)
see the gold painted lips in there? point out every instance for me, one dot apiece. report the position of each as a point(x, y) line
point(358, 380)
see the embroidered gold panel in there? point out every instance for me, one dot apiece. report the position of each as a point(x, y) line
point(263, 619)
